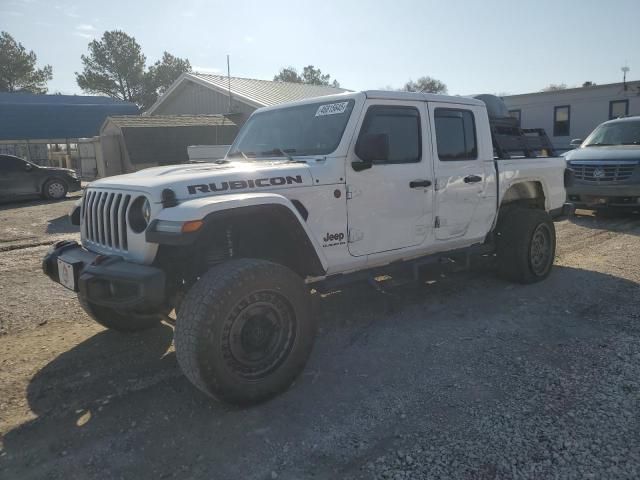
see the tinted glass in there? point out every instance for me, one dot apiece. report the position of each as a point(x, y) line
point(618, 109)
point(515, 114)
point(11, 164)
point(402, 125)
point(618, 133)
point(456, 134)
point(561, 118)
point(314, 129)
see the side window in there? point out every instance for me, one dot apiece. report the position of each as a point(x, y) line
point(561, 121)
point(517, 114)
point(401, 125)
point(618, 108)
point(455, 134)
point(11, 164)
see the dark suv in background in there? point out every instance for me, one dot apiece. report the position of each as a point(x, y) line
point(606, 167)
point(20, 178)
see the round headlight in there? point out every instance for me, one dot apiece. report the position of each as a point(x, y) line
point(139, 214)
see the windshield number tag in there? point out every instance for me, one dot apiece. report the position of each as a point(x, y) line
point(331, 109)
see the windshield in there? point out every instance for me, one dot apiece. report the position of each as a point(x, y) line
point(618, 133)
point(313, 129)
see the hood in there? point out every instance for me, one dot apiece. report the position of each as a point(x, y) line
point(197, 180)
point(605, 154)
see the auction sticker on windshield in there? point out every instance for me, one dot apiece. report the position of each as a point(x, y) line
point(331, 109)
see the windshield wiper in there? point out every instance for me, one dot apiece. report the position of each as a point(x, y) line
point(599, 144)
point(240, 153)
point(282, 152)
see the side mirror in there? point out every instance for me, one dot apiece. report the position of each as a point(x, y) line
point(576, 142)
point(371, 148)
point(28, 167)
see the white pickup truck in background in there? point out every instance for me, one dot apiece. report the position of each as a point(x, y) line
point(310, 195)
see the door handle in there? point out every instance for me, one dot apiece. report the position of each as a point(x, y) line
point(419, 183)
point(472, 179)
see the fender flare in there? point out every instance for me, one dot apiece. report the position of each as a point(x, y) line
point(521, 180)
point(220, 207)
point(503, 189)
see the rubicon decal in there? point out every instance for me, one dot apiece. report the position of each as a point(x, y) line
point(243, 184)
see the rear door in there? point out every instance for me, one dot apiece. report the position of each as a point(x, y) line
point(389, 206)
point(461, 176)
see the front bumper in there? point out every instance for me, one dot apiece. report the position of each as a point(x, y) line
point(605, 195)
point(74, 185)
point(109, 281)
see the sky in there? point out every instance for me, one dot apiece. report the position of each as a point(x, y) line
point(489, 46)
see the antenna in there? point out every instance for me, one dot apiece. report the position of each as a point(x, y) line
point(624, 69)
point(229, 81)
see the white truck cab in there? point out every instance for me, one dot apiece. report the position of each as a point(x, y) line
point(310, 193)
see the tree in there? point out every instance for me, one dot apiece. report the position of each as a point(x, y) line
point(161, 75)
point(288, 74)
point(554, 87)
point(314, 76)
point(114, 67)
point(18, 70)
point(310, 75)
point(425, 84)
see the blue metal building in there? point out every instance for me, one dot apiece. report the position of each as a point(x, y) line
point(56, 118)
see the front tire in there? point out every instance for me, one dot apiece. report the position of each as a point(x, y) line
point(122, 322)
point(245, 331)
point(55, 189)
point(526, 245)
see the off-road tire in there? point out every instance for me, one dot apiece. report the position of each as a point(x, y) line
point(217, 324)
point(525, 245)
point(122, 322)
point(54, 189)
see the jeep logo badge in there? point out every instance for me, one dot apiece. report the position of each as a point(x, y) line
point(331, 239)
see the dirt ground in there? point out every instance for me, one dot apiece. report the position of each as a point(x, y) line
point(468, 377)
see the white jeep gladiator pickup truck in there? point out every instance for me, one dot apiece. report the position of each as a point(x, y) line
point(311, 194)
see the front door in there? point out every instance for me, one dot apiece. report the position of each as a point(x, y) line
point(389, 204)
point(17, 177)
point(461, 178)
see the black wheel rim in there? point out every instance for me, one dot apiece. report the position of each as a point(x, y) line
point(540, 251)
point(259, 335)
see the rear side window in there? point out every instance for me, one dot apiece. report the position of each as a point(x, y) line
point(402, 125)
point(455, 134)
point(11, 164)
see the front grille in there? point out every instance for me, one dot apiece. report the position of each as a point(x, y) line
point(104, 216)
point(602, 173)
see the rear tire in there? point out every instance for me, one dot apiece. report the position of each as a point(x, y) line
point(245, 331)
point(526, 245)
point(122, 322)
point(55, 189)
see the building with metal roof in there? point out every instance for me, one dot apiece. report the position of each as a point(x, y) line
point(202, 93)
point(131, 143)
